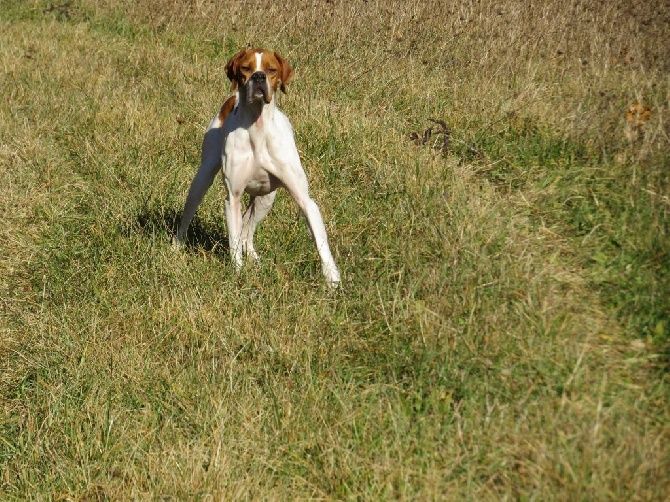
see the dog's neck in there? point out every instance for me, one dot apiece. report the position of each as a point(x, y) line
point(255, 112)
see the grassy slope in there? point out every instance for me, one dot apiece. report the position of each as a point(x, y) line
point(503, 321)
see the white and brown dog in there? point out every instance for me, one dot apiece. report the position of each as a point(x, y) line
point(253, 141)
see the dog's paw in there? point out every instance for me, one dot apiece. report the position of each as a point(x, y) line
point(237, 261)
point(253, 255)
point(177, 243)
point(332, 276)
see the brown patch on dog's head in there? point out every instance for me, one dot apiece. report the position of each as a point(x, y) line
point(246, 62)
point(283, 72)
point(240, 67)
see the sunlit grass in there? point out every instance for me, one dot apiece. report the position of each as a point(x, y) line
point(502, 330)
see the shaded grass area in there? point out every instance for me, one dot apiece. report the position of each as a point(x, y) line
point(499, 331)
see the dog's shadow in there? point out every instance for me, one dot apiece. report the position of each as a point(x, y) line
point(200, 235)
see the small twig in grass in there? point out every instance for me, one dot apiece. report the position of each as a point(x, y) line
point(446, 134)
point(430, 132)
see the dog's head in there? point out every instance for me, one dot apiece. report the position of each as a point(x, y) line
point(258, 73)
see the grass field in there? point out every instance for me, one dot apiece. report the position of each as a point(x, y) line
point(503, 329)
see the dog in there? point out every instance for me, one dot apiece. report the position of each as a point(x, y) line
point(253, 141)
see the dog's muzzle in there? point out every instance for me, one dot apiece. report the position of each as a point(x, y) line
point(259, 86)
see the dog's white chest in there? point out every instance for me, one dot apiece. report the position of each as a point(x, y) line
point(249, 163)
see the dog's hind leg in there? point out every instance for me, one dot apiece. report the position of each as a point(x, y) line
point(210, 165)
point(259, 207)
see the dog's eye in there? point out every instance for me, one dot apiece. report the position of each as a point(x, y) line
point(246, 68)
point(272, 71)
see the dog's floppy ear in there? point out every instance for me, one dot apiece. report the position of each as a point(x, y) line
point(285, 72)
point(233, 66)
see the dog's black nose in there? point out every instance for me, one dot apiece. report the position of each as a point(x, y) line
point(259, 75)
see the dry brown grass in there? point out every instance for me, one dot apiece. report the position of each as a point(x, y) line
point(502, 328)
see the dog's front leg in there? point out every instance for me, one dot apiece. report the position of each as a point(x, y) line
point(318, 231)
point(296, 183)
point(259, 207)
point(210, 165)
point(234, 221)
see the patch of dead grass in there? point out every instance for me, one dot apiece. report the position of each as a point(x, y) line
point(473, 352)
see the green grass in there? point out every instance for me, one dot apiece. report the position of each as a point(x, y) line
point(504, 323)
